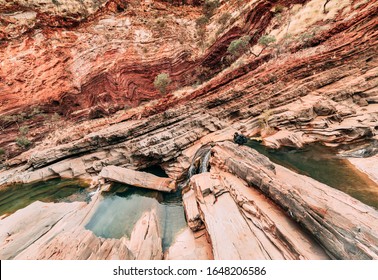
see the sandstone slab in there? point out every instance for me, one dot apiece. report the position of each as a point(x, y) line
point(137, 178)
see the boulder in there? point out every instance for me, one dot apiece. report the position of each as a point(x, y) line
point(138, 178)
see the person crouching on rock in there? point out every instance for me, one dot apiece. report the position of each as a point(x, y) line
point(240, 139)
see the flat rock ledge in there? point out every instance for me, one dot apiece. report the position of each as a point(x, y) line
point(137, 178)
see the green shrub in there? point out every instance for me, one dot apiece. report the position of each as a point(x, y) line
point(24, 130)
point(35, 112)
point(306, 36)
point(23, 142)
point(224, 18)
point(161, 82)
point(239, 46)
point(209, 7)
point(201, 21)
point(2, 152)
point(278, 9)
point(266, 40)
point(13, 118)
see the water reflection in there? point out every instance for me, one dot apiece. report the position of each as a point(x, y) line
point(118, 213)
point(19, 196)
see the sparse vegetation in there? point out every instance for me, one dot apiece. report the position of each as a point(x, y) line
point(306, 37)
point(201, 22)
point(209, 7)
point(35, 112)
point(24, 130)
point(239, 46)
point(224, 18)
point(278, 9)
point(14, 118)
point(201, 29)
point(161, 82)
point(55, 2)
point(23, 142)
point(264, 118)
point(266, 129)
point(266, 40)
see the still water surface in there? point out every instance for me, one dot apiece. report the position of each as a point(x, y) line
point(19, 196)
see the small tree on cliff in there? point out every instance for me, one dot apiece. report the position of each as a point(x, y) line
point(266, 40)
point(239, 46)
point(161, 82)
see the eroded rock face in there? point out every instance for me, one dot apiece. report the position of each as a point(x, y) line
point(99, 66)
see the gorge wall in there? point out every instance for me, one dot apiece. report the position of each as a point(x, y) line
point(77, 81)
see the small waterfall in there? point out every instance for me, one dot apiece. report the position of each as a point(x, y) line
point(205, 162)
point(200, 162)
point(93, 193)
point(192, 170)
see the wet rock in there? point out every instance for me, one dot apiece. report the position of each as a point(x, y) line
point(138, 178)
point(368, 150)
